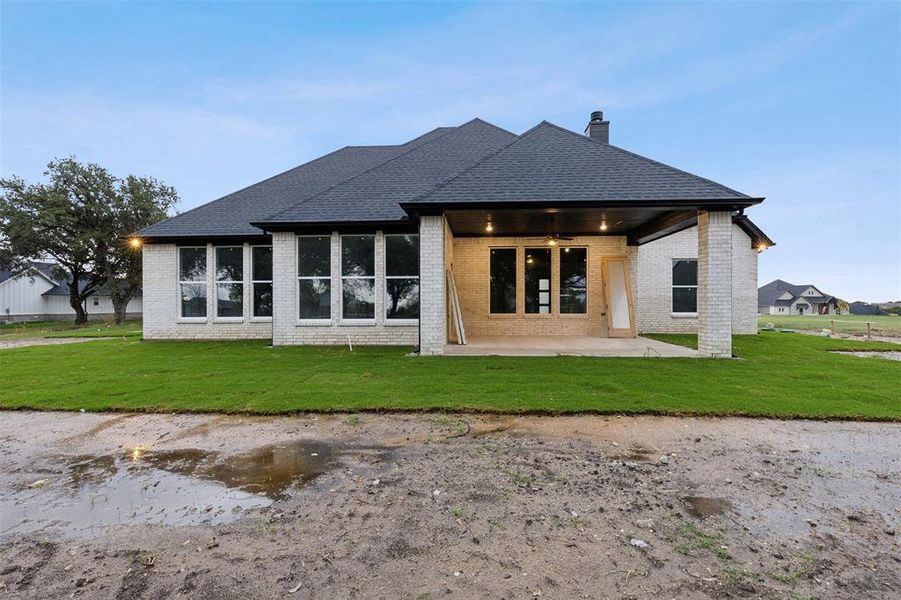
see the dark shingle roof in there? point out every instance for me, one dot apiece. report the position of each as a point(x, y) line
point(376, 194)
point(44, 268)
point(231, 215)
point(768, 295)
point(474, 163)
point(549, 163)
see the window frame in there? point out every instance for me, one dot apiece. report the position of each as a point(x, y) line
point(298, 278)
point(216, 317)
point(254, 281)
point(205, 282)
point(673, 286)
point(515, 312)
point(400, 320)
point(572, 315)
point(551, 305)
point(374, 278)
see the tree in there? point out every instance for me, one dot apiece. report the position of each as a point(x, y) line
point(140, 201)
point(83, 218)
point(68, 219)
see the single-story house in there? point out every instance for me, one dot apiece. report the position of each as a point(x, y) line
point(38, 293)
point(463, 232)
point(865, 308)
point(783, 298)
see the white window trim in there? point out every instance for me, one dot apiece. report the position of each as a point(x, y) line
point(364, 322)
point(253, 282)
point(683, 315)
point(216, 282)
point(298, 320)
point(389, 321)
point(181, 318)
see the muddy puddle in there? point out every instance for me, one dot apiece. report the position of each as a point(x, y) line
point(79, 494)
point(703, 506)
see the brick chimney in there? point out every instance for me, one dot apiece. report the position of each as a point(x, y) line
point(598, 129)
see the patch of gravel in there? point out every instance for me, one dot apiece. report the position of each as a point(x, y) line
point(888, 355)
point(25, 342)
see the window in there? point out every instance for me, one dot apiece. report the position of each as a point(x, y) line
point(503, 280)
point(358, 276)
point(230, 282)
point(402, 276)
point(261, 278)
point(192, 282)
point(96, 301)
point(314, 273)
point(573, 280)
point(538, 281)
point(685, 286)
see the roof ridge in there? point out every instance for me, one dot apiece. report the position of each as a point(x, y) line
point(480, 161)
point(382, 164)
point(645, 158)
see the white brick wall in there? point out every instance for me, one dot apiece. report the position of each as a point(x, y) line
point(654, 300)
point(161, 301)
point(650, 270)
point(288, 329)
point(715, 276)
point(432, 285)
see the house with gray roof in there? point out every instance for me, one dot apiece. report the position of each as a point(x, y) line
point(40, 293)
point(783, 298)
point(463, 233)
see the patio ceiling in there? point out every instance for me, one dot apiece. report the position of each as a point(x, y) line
point(640, 224)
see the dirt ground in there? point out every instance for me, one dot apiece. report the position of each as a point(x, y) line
point(431, 505)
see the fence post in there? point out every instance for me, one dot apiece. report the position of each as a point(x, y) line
point(833, 326)
point(868, 330)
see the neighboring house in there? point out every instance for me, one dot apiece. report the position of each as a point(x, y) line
point(865, 308)
point(468, 230)
point(38, 294)
point(783, 298)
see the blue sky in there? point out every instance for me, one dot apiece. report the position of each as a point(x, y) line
point(796, 102)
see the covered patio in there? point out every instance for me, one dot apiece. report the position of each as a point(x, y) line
point(569, 345)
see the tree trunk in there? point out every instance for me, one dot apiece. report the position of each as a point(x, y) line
point(120, 307)
point(81, 315)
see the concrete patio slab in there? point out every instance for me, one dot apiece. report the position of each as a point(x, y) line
point(565, 345)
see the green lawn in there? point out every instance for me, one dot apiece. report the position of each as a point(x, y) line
point(786, 375)
point(881, 325)
point(52, 329)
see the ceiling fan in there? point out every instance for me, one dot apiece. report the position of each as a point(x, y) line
point(553, 238)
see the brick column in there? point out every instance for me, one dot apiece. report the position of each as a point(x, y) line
point(284, 285)
point(715, 284)
point(432, 286)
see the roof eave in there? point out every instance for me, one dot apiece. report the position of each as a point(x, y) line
point(425, 207)
point(320, 226)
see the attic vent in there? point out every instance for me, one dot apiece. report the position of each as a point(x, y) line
point(598, 129)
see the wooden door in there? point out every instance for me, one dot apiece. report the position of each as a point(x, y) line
point(618, 297)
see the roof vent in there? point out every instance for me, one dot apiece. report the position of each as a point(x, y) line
point(598, 129)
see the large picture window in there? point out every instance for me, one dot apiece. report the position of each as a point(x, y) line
point(402, 276)
point(573, 280)
point(503, 280)
point(261, 277)
point(314, 272)
point(230, 282)
point(358, 276)
point(192, 282)
point(538, 281)
point(685, 286)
